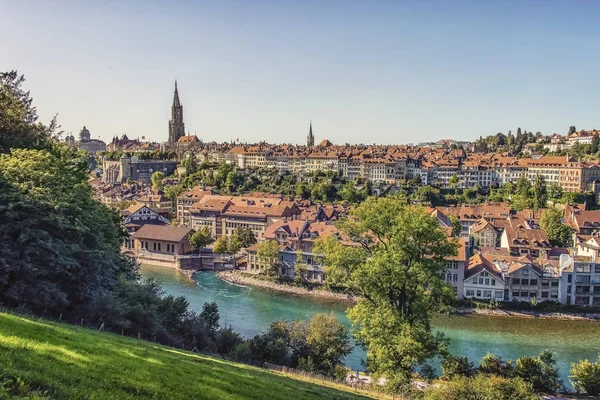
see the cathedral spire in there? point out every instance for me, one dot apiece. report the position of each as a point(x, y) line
point(310, 139)
point(176, 102)
point(176, 125)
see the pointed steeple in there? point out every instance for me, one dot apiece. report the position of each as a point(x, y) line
point(310, 139)
point(176, 102)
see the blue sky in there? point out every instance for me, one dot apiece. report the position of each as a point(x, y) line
point(363, 71)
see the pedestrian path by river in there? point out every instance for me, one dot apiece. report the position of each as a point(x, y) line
point(251, 310)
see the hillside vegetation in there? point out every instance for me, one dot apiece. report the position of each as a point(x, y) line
point(45, 360)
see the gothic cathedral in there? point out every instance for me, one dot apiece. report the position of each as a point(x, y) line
point(176, 125)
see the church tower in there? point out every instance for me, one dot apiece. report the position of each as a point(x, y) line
point(176, 125)
point(310, 139)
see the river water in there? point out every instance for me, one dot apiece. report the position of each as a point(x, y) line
point(250, 311)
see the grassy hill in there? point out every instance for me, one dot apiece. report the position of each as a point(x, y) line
point(40, 359)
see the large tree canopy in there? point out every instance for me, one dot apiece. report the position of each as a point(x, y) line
point(397, 266)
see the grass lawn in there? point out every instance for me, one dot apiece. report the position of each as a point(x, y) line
point(68, 362)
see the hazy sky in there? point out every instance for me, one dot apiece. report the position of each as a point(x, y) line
point(363, 71)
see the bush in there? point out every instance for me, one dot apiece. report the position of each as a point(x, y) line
point(492, 365)
point(481, 387)
point(454, 366)
point(585, 377)
point(540, 371)
point(227, 340)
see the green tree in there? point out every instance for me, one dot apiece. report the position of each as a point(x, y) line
point(398, 274)
point(453, 181)
point(540, 371)
point(595, 143)
point(246, 236)
point(558, 233)
point(492, 365)
point(555, 191)
point(454, 366)
point(585, 377)
point(523, 186)
point(172, 192)
point(201, 238)
point(456, 226)
point(540, 196)
point(157, 178)
point(210, 316)
point(321, 342)
point(234, 245)
point(572, 129)
point(221, 245)
point(302, 190)
point(268, 253)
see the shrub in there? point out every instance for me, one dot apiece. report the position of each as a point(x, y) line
point(585, 377)
point(492, 365)
point(481, 387)
point(227, 340)
point(540, 371)
point(453, 366)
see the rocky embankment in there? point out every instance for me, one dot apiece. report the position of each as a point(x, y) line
point(528, 314)
point(240, 278)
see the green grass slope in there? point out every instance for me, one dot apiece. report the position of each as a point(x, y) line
point(68, 362)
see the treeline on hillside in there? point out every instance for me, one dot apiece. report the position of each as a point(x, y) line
point(60, 247)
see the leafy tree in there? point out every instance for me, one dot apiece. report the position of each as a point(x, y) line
point(321, 342)
point(221, 245)
point(540, 371)
point(210, 316)
point(555, 191)
point(558, 233)
point(453, 181)
point(481, 387)
point(540, 196)
point(18, 117)
point(456, 226)
point(201, 238)
point(246, 236)
point(302, 190)
point(172, 192)
point(523, 186)
point(157, 178)
point(227, 340)
point(350, 194)
point(454, 366)
point(585, 377)
point(416, 180)
point(595, 143)
point(398, 271)
point(268, 253)
point(572, 129)
point(429, 195)
point(234, 245)
point(492, 365)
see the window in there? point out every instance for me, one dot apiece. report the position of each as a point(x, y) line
point(499, 294)
point(448, 277)
point(525, 272)
point(481, 281)
point(470, 293)
point(478, 293)
point(545, 282)
point(569, 278)
point(555, 283)
point(159, 247)
point(533, 282)
point(455, 278)
point(516, 281)
point(493, 282)
point(487, 293)
point(524, 282)
point(532, 294)
point(515, 294)
point(524, 294)
point(583, 279)
point(154, 246)
point(544, 295)
point(475, 281)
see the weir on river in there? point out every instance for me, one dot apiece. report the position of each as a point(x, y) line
point(250, 311)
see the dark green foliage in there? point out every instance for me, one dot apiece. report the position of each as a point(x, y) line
point(481, 387)
point(541, 372)
point(492, 365)
point(558, 233)
point(453, 366)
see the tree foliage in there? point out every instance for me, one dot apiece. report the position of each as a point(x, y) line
point(481, 387)
point(157, 178)
point(585, 377)
point(397, 268)
point(540, 196)
point(267, 253)
point(201, 238)
point(558, 233)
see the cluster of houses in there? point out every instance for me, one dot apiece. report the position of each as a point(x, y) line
point(431, 163)
point(503, 254)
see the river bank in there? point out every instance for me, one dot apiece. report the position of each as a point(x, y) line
point(241, 278)
point(244, 279)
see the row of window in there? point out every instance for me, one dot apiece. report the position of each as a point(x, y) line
point(156, 246)
point(486, 294)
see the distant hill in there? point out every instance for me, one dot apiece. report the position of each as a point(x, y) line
point(45, 360)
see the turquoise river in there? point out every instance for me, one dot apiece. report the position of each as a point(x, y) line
point(249, 311)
